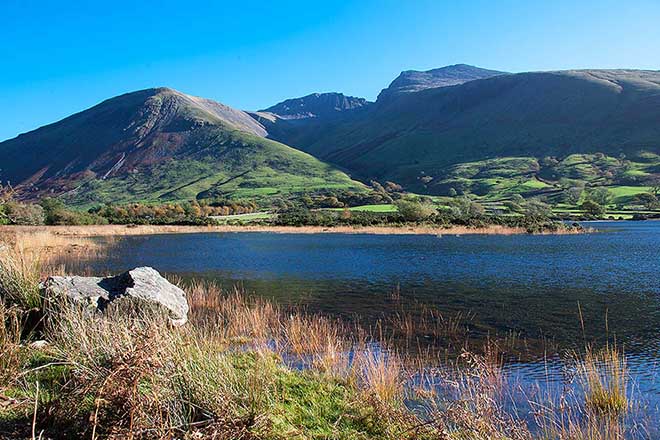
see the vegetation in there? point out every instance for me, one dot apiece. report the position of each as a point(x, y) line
point(326, 208)
point(244, 368)
point(462, 212)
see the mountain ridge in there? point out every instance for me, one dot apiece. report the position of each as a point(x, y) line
point(418, 134)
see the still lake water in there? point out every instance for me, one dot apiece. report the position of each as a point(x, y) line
point(532, 285)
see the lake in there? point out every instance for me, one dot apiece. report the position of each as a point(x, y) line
point(538, 287)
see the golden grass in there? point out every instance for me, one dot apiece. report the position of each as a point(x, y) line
point(20, 272)
point(10, 345)
point(604, 375)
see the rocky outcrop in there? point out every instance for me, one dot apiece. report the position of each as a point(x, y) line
point(414, 80)
point(141, 284)
point(316, 105)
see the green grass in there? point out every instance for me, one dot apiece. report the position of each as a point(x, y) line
point(243, 218)
point(235, 166)
point(501, 178)
point(371, 208)
point(624, 193)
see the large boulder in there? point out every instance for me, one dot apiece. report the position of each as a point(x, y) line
point(142, 284)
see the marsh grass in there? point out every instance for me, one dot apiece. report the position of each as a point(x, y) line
point(20, 272)
point(604, 376)
point(10, 344)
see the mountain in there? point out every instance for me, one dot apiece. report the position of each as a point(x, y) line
point(414, 80)
point(316, 105)
point(158, 145)
point(415, 138)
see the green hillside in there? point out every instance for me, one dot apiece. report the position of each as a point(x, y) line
point(502, 178)
point(420, 139)
point(161, 145)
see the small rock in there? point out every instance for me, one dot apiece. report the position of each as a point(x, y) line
point(142, 283)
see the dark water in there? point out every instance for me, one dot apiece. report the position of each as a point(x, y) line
point(534, 286)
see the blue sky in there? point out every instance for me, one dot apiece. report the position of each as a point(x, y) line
point(57, 58)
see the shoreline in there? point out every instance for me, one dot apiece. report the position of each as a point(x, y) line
point(125, 230)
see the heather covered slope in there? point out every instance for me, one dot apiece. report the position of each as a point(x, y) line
point(156, 145)
point(418, 135)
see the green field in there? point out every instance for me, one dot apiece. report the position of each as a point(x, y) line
point(239, 167)
point(243, 218)
point(370, 208)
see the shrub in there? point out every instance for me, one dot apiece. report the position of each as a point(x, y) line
point(592, 208)
point(464, 208)
point(414, 211)
point(649, 200)
point(601, 196)
point(18, 213)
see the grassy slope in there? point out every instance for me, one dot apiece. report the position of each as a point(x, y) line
point(524, 115)
point(235, 165)
point(497, 179)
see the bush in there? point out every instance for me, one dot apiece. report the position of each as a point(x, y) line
point(464, 208)
point(58, 214)
point(601, 196)
point(414, 211)
point(592, 208)
point(650, 201)
point(18, 213)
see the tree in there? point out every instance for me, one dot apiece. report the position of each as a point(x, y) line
point(592, 208)
point(518, 199)
point(6, 196)
point(512, 206)
point(463, 207)
point(413, 211)
point(601, 196)
point(537, 208)
point(392, 187)
point(573, 194)
point(655, 187)
point(549, 161)
point(24, 213)
point(649, 200)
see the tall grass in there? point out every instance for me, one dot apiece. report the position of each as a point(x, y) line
point(10, 344)
point(604, 377)
point(20, 271)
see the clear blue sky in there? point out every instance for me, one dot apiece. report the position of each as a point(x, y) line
point(57, 57)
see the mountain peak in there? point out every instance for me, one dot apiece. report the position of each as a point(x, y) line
point(316, 105)
point(414, 80)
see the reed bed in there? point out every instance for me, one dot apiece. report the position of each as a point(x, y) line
point(247, 368)
point(127, 230)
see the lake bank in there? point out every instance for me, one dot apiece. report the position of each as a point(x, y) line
point(122, 230)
